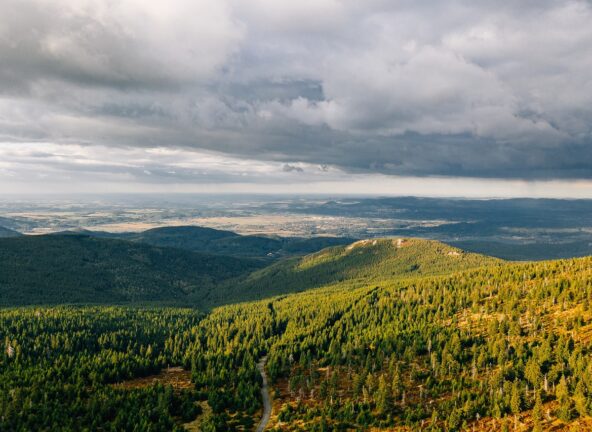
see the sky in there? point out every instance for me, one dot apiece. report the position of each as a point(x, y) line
point(402, 97)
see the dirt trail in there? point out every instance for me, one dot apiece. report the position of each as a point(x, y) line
point(266, 397)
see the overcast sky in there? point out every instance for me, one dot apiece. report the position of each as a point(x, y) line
point(427, 97)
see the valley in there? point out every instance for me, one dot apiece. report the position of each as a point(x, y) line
point(513, 229)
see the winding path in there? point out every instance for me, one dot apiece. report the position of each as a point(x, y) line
point(265, 394)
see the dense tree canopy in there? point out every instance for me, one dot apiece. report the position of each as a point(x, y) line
point(441, 349)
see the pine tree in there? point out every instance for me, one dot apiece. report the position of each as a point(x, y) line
point(580, 400)
point(515, 398)
point(565, 410)
point(383, 396)
point(537, 413)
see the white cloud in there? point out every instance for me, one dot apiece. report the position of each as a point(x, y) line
point(131, 43)
point(406, 87)
point(474, 80)
point(90, 163)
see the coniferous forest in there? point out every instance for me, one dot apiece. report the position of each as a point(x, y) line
point(384, 335)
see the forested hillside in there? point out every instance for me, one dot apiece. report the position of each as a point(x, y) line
point(494, 346)
point(82, 269)
point(360, 263)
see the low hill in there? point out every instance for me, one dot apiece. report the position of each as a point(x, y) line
point(5, 232)
point(213, 241)
point(220, 242)
point(82, 269)
point(364, 262)
point(193, 238)
point(200, 239)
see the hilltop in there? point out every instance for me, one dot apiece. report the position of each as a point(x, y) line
point(360, 263)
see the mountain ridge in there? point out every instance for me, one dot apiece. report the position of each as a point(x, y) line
point(81, 268)
point(220, 242)
point(363, 262)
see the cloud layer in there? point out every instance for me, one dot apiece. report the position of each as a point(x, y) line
point(406, 88)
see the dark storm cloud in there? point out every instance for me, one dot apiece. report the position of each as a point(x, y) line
point(292, 168)
point(419, 88)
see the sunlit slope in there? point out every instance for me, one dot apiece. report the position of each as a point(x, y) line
point(489, 341)
point(360, 263)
